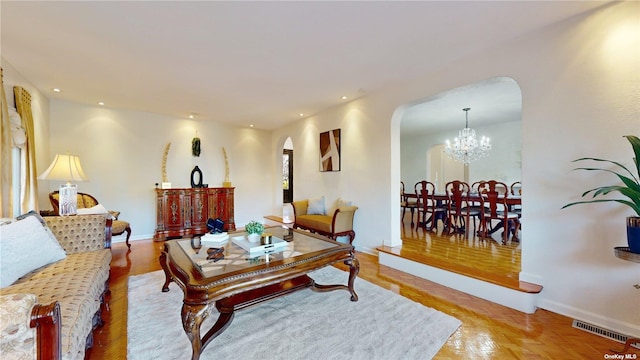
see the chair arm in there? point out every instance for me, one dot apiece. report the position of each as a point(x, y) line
point(343, 219)
point(81, 233)
point(46, 319)
point(300, 207)
point(115, 214)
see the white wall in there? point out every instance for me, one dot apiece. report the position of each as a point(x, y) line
point(121, 152)
point(580, 83)
point(502, 163)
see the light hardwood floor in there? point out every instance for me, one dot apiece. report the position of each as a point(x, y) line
point(488, 331)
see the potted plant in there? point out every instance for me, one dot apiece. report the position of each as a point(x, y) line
point(254, 230)
point(630, 188)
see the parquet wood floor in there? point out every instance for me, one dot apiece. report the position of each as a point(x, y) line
point(488, 331)
point(464, 253)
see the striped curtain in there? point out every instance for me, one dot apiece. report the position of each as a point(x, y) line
point(6, 203)
point(29, 194)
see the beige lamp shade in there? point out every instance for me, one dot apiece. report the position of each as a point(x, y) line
point(66, 168)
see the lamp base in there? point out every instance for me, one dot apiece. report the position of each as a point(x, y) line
point(68, 200)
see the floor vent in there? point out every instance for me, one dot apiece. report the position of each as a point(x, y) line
point(603, 332)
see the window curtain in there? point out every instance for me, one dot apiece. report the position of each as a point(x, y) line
point(29, 194)
point(6, 203)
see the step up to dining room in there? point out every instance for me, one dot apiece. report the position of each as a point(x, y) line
point(465, 237)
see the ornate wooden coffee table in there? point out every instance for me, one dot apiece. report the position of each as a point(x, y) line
point(240, 280)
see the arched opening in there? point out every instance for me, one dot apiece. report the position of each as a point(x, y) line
point(287, 180)
point(496, 111)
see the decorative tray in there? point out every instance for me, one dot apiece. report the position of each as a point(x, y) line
point(624, 254)
point(277, 244)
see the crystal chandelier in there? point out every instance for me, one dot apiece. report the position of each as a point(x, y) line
point(466, 147)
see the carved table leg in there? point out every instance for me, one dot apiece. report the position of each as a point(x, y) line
point(354, 269)
point(192, 318)
point(165, 268)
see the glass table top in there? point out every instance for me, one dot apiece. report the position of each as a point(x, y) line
point(238, 259)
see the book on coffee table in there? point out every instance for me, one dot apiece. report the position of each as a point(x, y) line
point(277, 244)
point(213, 240)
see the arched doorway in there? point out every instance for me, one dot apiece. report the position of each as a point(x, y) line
point(496, 106)
point(287, 180)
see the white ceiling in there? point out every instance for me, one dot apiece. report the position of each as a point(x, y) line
point(244, 63)
point(491, 101)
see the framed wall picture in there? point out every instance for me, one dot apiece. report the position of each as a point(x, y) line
point(330, 150)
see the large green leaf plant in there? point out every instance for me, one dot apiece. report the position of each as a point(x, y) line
point(631, 184)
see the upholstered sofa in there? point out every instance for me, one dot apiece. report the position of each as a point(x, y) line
point(311, 214)
point(50, 312)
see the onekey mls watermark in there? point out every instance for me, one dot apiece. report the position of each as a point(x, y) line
point(621, 356)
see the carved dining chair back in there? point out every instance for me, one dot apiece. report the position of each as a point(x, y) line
point(431, 210)
point(85, 201)
point(516, 190)
point(459, 207)
point(493, 196)
point(407, 201)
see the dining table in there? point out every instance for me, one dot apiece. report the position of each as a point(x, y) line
point(475, 198)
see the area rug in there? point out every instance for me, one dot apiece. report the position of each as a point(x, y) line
point(301, 325)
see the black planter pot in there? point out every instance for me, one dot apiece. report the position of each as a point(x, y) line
point(633, 233)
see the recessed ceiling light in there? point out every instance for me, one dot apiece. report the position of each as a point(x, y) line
point(251, 125)
point(344, 97)
point(56, 90)
point(301, 114)
point(100, 103)
point(190, 116)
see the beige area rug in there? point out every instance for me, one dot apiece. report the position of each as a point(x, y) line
point(301, 325)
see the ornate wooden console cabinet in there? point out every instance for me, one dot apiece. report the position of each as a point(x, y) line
point(181, 212)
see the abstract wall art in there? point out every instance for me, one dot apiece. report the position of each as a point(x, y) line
point(330, 150)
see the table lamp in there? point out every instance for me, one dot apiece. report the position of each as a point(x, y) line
point(66, 168)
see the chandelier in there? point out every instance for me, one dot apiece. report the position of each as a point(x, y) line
point(466, 147)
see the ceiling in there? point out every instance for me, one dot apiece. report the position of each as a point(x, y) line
point(491, 101)
point(242, 63)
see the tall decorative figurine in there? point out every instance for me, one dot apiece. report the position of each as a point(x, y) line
point(226, 182)
point(165, 181)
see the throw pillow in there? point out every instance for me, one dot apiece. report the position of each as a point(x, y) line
point(339, 203)
point(316, 206)
point(26, 245)
point(343, 203)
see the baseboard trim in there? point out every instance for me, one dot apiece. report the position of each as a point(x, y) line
point(632, 330)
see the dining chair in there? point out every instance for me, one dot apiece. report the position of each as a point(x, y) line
point(428, 205)
point(516, 188)
point(407, 201)
point(493, 195)
point(459, 207)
